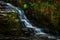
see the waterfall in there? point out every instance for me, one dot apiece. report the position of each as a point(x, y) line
point(28, 24)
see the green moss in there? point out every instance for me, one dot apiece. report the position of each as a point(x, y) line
point(10, 22)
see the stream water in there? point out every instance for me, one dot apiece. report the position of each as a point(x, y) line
point(28, 24)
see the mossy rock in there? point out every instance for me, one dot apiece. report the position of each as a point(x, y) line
point(10, 21)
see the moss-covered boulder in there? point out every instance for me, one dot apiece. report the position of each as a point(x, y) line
point(9, 22)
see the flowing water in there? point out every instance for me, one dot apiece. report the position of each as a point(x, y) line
point(28, 24)
point(23, 18)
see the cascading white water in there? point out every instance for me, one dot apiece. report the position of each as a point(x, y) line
point(28, 24)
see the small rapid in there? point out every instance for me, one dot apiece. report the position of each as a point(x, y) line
point(28, 24)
